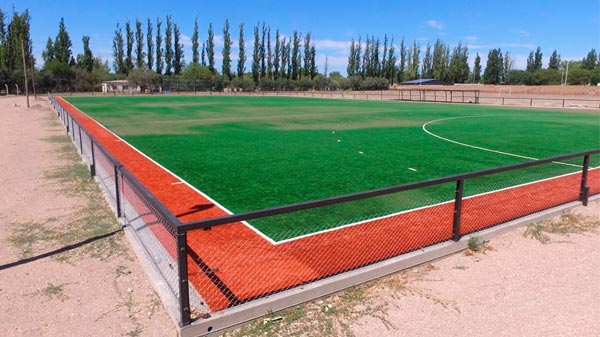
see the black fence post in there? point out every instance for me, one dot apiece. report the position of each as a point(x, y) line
point(93, 165)
point(182, 268)
point(117, 191)
point(80, 141)
point(584, 190)
point(458, 195)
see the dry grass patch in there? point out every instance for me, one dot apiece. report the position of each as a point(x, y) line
point(567, 223)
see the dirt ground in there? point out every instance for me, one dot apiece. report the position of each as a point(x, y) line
point(67, 270)
point(47, 203)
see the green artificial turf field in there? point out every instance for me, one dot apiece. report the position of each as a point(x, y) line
point(251, 153)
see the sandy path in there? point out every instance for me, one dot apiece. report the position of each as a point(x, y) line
point(522, 288)
point(79, 293)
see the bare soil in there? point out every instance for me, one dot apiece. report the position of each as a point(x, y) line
point(48, 204)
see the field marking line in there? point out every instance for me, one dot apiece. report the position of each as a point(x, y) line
point(262, 235)
point(424, 127)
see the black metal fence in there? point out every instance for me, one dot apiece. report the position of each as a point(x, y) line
point(207, 275)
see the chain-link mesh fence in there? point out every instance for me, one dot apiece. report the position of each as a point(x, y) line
point(238, 262)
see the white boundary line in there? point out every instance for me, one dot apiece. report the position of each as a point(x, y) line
point(424, 127)
point(176, 176)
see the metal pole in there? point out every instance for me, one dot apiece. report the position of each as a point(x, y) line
point(584, 190)
point(117, 191)
point(182, 268)
point(80, 141)
point(458, 195)
point(93, 166)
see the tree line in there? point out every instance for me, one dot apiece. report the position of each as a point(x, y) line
point(156, 56)
point(150, 54)
point(373, 60)
point(500, 69)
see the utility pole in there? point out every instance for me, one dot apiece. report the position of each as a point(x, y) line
point(25, 72)
point(567, 73)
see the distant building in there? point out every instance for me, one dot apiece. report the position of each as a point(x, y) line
point(424, 81)
point(115, 86)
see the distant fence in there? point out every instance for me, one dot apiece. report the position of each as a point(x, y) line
point(420, 95)
point(215, 264)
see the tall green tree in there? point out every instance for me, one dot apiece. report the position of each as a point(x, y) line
point(554, 61)
point(62, 44)
point(203, 54)
point(169, 52)
point(477, 69)
point(241, 66)
point(269, 55)
point(295, 56)
point(48, 53)
point(390, 65)
point(427, 67)
point(256, 55)
point(307, 56)
point(139, 47)
point(537, 62)
point(226, 69)
point(87, 60)
point(530, 62)
point(414, 65)
point(285, 56)
point(590, 60)
point(149, 45)
point(159, 47)
point(350, 69)
point(3, 41)
point(313, 62)
point(358, 69)
point(17, 39)
point(440, 60)
point(210, 48)
point(493, 73)
point(459, 64)
point(178, 52)
point(402, 61)
point(118, 51)
point(509, 64)
point(263, 63)
point(195, 43)
point(277, 55)
point(130, 39)
point(366, 58)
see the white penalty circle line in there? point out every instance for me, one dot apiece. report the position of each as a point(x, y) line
point(424, 127)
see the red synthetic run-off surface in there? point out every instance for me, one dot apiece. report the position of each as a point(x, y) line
point(238, 265)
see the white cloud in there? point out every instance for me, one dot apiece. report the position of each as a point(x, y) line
point(186, 40)
point(332, 44)
point(435, 25)
point(471, 38)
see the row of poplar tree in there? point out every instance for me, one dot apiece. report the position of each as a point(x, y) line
point(146, 48)
point(150, 54)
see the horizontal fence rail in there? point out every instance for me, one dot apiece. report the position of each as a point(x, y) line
point(220, 262)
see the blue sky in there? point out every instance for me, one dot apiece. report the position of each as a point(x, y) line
point(572, 28)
